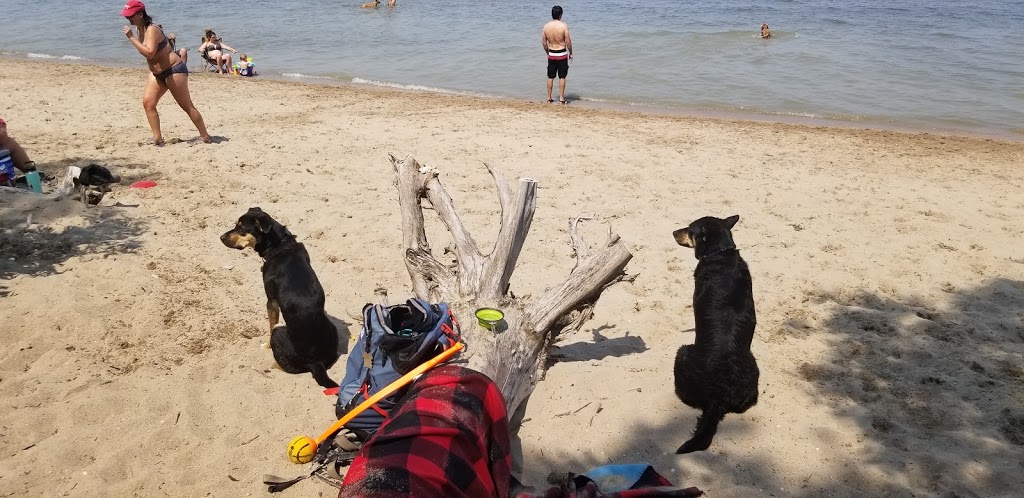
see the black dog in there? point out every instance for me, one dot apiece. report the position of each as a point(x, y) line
point(94, 176)
point(717, 374)
point(309, 342)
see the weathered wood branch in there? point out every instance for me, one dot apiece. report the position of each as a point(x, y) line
point(504, 191)
point(422, 266)
point(584, 284)
point(515, 354)
point(515, 225)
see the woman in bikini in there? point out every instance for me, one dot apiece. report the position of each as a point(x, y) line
point(214, 51)
point(167, 71)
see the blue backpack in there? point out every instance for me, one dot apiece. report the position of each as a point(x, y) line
point(392, 341)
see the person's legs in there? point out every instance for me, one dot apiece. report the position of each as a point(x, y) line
point(214, 56)
point(552, 70)
point(150, 97)
point(226, 59)
point(18, 154)
point(178, 85)
point(563, 71)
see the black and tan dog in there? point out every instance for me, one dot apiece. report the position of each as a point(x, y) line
point(95, 177)
point(309, 341)
point(717, 374)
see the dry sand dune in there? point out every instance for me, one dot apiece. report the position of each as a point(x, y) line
point(887, 268)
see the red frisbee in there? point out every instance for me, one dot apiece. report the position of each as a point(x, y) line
point(144, 184)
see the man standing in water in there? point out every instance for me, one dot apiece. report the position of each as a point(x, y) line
point(558, 48)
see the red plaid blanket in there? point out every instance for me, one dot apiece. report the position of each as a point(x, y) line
point(448, 437)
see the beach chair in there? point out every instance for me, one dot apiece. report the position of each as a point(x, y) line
point(208, 63)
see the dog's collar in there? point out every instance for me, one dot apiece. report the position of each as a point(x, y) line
point(730, 248)
point(289, 241)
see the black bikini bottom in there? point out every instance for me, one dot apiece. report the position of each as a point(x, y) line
point(175, 69)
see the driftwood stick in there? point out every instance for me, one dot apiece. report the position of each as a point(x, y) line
point(414, 236)
point(612, 237)
point(504, 191)
point(582, 285)
point(437, 279)
point(470, 260)
point(580, 247)
point(515, 225)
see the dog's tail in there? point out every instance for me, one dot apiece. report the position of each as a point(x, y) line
point(707, 426)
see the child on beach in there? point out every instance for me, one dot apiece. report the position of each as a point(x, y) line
point(245, 67)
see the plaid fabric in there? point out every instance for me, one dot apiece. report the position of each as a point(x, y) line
point(448, 437)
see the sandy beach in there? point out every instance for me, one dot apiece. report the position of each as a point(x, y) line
point(887, 266)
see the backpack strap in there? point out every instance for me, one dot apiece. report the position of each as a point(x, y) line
point(276, 484)
point(365, 389)
point(368, 313)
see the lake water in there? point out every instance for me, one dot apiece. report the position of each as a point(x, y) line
point(938, 64)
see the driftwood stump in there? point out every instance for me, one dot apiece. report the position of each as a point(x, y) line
point(515, 357)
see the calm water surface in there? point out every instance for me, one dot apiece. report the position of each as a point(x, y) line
point(936, 64)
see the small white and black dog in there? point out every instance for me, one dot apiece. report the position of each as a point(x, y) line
point(717, 374)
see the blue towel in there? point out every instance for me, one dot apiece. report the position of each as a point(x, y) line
point(615, 478)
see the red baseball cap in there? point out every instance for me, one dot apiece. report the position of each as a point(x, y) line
point(3, 123)
point(131, 7)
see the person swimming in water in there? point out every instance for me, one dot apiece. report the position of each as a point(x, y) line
point(765, 32)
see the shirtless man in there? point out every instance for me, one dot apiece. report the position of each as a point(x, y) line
point(558, 48)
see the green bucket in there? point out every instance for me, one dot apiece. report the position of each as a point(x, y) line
point(489, 318)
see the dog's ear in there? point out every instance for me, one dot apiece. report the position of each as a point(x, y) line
point(263, 222)
point(731, 221)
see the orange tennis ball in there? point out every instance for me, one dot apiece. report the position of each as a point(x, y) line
point(301, 449)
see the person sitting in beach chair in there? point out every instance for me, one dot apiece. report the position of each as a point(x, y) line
point(213, 49)
point(182, 52)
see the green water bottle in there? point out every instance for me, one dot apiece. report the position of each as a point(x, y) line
point(34, 182)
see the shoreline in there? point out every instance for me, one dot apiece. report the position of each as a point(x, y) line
point(584, 103)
